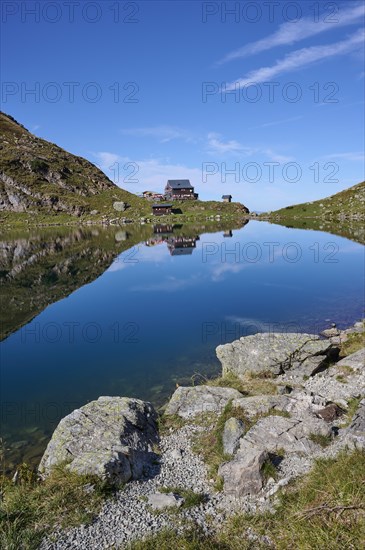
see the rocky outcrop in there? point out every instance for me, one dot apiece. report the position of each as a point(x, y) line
point(187, 402)
point(274, 353)
point(112, 438)
point(232, 433)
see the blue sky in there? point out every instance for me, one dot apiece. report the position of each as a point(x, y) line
point(266, 103)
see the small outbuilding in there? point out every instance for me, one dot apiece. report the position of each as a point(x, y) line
point(161, 209)
point(227, 198)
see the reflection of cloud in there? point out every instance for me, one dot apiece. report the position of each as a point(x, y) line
point(222, 269)
point(279, 285)
point(242, 320)
point(170, 284)
point(140, 254)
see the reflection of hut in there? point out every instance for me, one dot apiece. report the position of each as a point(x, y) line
point(163, 228)
point(161, 209)
point(181, 246)
point(227, 233)
point(227, 198)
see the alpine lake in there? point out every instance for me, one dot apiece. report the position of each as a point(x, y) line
point(135, 310)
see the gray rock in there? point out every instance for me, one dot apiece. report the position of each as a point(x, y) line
point(112, 438)
point(330, 332)
point(356, 360)
point(261, 404)
point(291, 434)
point(357, 425)
point(232, 432)
point(119, 206)
point(159, 501)
point(270, 352)
point(192, 400)
point(242, 476)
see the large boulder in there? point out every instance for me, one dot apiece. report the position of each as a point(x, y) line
point(242, 476)
point(272, 353)
point(112, 438)
point(189, 401)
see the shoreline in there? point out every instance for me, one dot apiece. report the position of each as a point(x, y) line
point(190, 463)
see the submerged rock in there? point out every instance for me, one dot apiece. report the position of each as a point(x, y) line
point(190, 401)
point(272, 353)
point(112, 438)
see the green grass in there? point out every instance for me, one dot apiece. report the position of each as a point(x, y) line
point(322, 440)
point(355, 341)
point(248, 385)
point(341, 214)
point(209, 445)
point(31, 508)
point(323, 510)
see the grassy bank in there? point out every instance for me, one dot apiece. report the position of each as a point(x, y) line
point(30, 508)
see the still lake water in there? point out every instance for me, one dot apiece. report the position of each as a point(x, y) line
point(111, 312)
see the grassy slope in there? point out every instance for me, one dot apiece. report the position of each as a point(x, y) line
point(342, 214)
point(349, 203)
point(75, 182)
point(62, 188)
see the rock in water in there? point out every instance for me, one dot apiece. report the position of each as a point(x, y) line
point(273, 353)
point(190, 401)
point(112, 438)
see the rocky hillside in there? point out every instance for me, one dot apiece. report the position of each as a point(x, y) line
point(37, 176)
point(346, 205)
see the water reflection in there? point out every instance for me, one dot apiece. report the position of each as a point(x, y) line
point(106, 311)
point(180, 245)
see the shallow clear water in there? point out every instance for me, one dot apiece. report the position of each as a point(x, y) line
point(152, 315)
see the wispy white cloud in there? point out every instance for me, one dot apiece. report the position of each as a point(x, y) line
point(162, 133)
point(276, 157)
point(300, 59)
point(216, 145)
point(291, 32)
point(105, 160)
point(277, 122)
point(350, 155)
